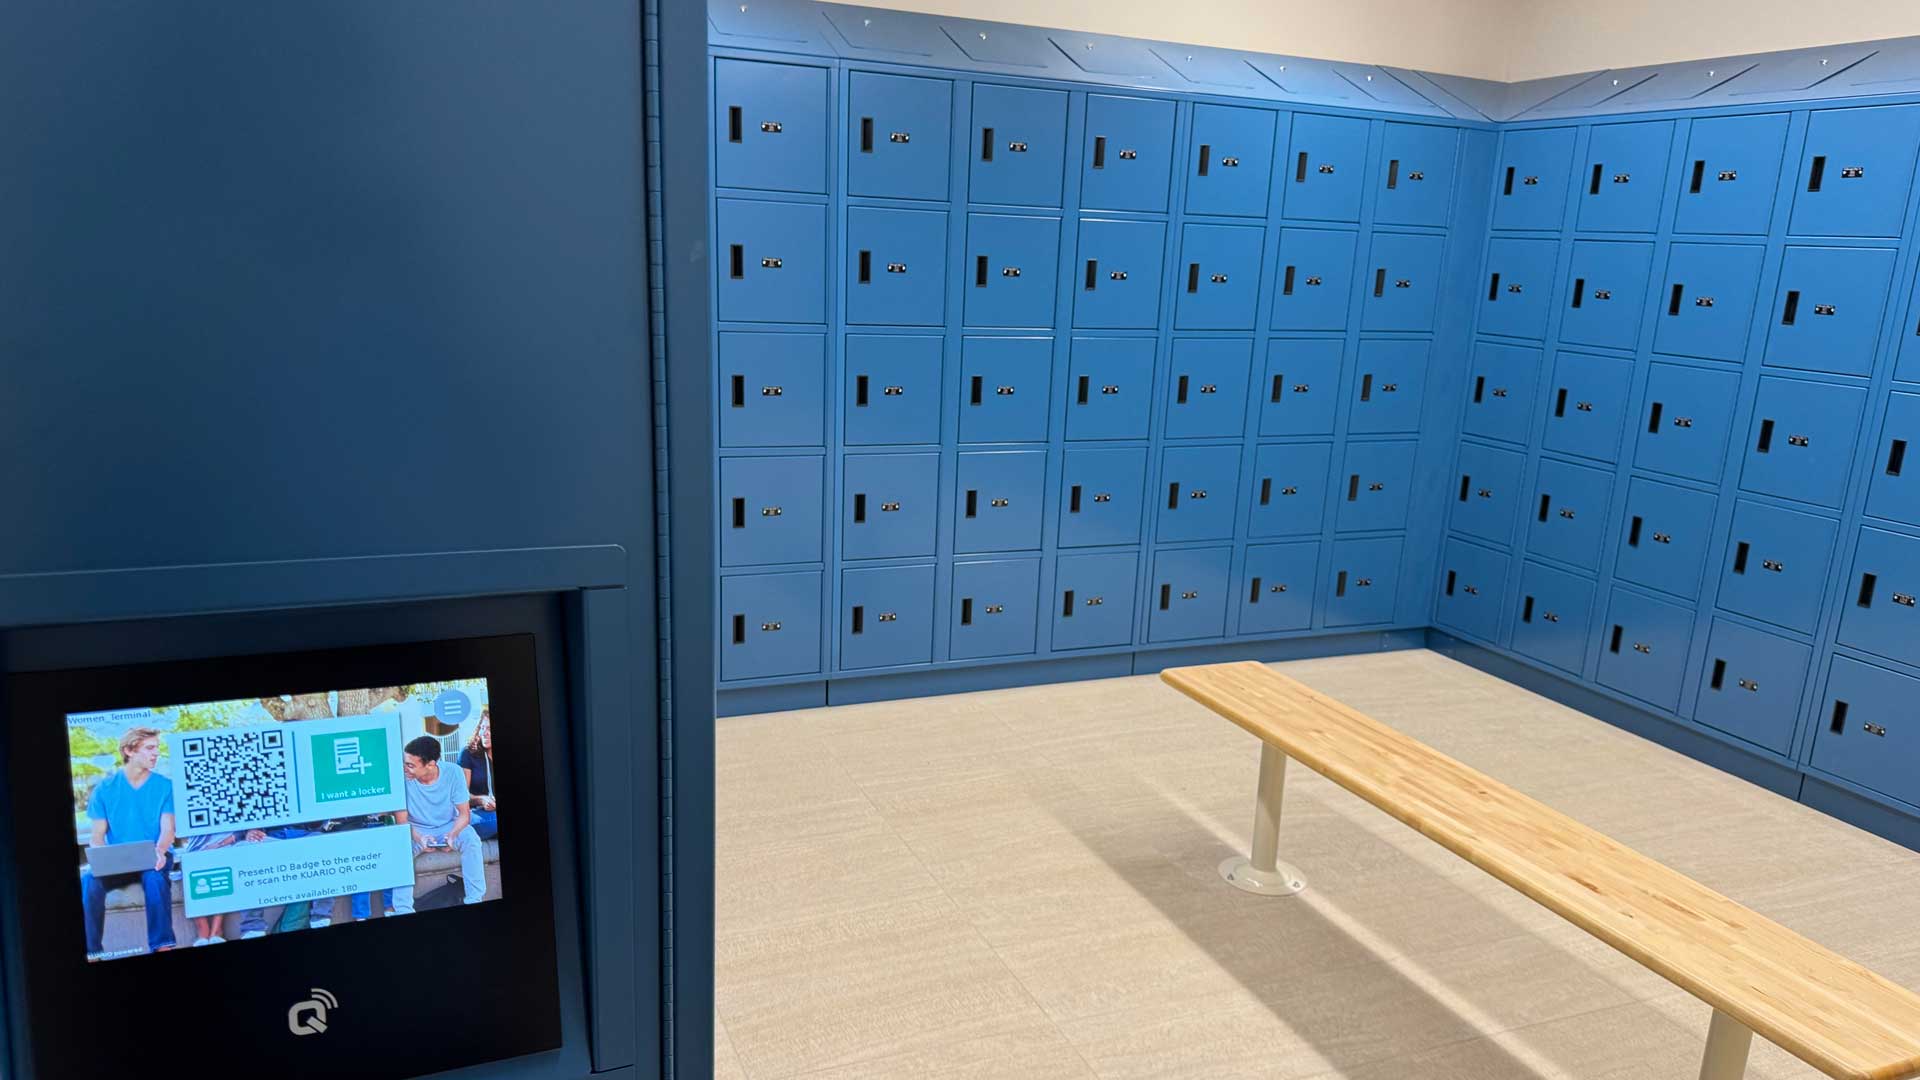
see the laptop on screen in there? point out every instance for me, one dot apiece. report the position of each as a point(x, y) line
point(111, 859)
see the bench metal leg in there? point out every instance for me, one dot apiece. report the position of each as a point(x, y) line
point(1263, 873)
point(1727, 1043)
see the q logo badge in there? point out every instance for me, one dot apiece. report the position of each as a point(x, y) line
point(309, 1017)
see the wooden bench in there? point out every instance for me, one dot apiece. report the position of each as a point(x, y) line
point(1757, 975)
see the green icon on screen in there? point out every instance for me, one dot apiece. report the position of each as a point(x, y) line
point(351, 765)
point(210, 884)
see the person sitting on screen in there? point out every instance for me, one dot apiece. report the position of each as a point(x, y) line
point(477, 762)
point(133, 804)
point(438, 811)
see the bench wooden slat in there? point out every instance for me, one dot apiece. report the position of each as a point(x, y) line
point(1832, 1013)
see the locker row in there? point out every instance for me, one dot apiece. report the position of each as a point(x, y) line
point(772, 134)
point(773, 389)
point(896, 270)
point(771, 623)
point(771, 507)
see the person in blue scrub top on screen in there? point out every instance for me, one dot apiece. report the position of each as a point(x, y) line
point(438, 810)
point(133, 804)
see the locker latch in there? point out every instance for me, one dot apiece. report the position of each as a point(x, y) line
point(1229, 162)
point(1473, 590)
point(1129, 155)
point(1852, 172)
point(1388, 388)
point(892, 391)
point(1403, 283)
point(995, 609)
point(1096, 601)
point(771, 127)
point(1583, 406)
point(770, 264)
point(1662, 538)
point(1290, 490)
point(1798, 440)
point(1683, 421)
point(1314, 280)
point(1566, 512)
point(1823, 309)
point(1530, 180)
point(1278, 589)
point(899, 137)
point(1196, 493)
point(1643, 647)
point(1750, 685)
point(889, 507)
point(1603, 294)
point(1416, 176)
point(1515, 288)
point(1109, 389)
point(1003, 391)
point(1209, 388)
point(769, 626)
point(1874, 729)
point(1102, 496)
point(1017, 147)
point(998, 502)
point(1703, 301)
point(1621, 178)
point(1903, 599)
point(1377, 486)
point(1363, 582)
point(770, 511)
point(1499, 391)
point(1189, 595)
point(1485, 493)
point(1218, 279)
point(1009, 271)
point(771, 391)
point(1326, 168)
point(1118, 275)
point(1729, 174)
point(1774, 565)
point(1550, 617)
point(889, 616)
point(1300, 388)
point(896, 268)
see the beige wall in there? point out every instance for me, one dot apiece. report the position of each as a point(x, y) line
point(1555, 37)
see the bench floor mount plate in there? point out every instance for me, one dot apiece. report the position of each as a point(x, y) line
point(1262, 872)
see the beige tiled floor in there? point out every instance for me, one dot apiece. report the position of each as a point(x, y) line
point(1021, 883)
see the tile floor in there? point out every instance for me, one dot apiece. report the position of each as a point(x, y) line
point(1021, 883)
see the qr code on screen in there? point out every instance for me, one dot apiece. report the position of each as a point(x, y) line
point(235, 778)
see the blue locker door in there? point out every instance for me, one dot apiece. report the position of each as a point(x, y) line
point(1500, 391)
point(999, 500)
point(1907, 368)
point(773, 389)
point(1276, 587)
point(1530, 178)
point(1197, 484)
point(1207, 387)
point(1302, 377)
point(1189, 594)
point(1644, 651)
point(1519, 288)
point(1709, 293)
point(1626, 176)
point(890, 505)
point(1128, 155)
point(1880, 614)
point(1405, 282)
point(1100, 500)
point(770, 625)
point(1005, 384)
point(1232, 159)
point(995, 608)
point(1866, 730)
point(1487, 492)
point(1388, 395)
point(1220, 284)
point(886, 616)
point(772, 126)
point(1587, 404)
point(1751, 685)
point(1801, 442)
point(1315, 278)
point(1826, 311)
point(1327, 155)
point(1363, 582)
point(1733, 167)
point(1019, 145)
point(1289, 489)
point(1556, 608)
point(773, 262)
point(1608, 293)
point(1093, 600)
point(1416, 183)
point(897, 141)
point(1895, 490)
point(1855, 170)
point(1109, 383)
point(1777, 565)
point(896, 266)
point(1472, 582)
point(1689, 413)
point(1567, 516)
point(1011, 268)
point(770, 510)
point(1668, 530)
point(1378, 482)
point(1118, 287)
point(892, 391)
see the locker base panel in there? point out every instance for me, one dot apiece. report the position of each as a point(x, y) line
point(1878, 815)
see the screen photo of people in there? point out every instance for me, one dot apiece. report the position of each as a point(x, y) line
point(222, 821)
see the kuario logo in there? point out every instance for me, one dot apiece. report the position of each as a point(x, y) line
point(351, 765)
point(309, 1017)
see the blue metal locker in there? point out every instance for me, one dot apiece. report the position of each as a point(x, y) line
point(770, 625)
point(1093, 600)
point(1689, 414)
point(1276, 587)
point(897, 138)
point(770, 510)
point(1472, 582)
point(1708, 298)
point(1880, 615)
point(1519, 290)
point(1019, 145)
point(1289, 489)
point(1895, 489)
point(998, 499)
point(886, 616)
point(1801, 443)
point(892, 391)
point(896, 266)
point(1363, 581)
point(1568, 514)
point(1378, 481)
point(773, 263)
point(1405, 282)
point(1855, 170)
point(772, 126)
point(1189, 594)
point(1556, 609)
point(995, 608)
point(1668, 530)
point(1109, 384)
point(1011, 263)
point(1530, 178)
point(1866, 730)
point(1587, 404)
point(1487, 493)
point(1626, 176)
point(772, 389)
point(1198, 485)
point(1231, 161)
point(1126, 162)
point(1315, 279)
point(1644, 650)
point(1301, 377)
point(1416, 183)
point(1908, 367)
point(1119, 284)
point(1220, 287)
point(1500, 391)
point(1100, 500)
point(890, 505)
point(1750, 687)
point(1326, 157)
point(1207, 387)
point(1608, 294)
point(1388, 395)
point(1777, 565)
point(1005, 386)
point(1733, 167)
point(1827, 309)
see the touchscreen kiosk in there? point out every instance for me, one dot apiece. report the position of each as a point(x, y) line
point(329, 863)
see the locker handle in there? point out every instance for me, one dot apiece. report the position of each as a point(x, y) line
point(986, 144)
point(1508, 189)
point(1206, 153)
point(1673, 301)
point(1073, 499)
point(1266, 491)
point(860, 383)
point(733, 123)
point(1180, 392)
point(1560, 403)
point(1792, 308)
point(1466, 482)
point(1579, 289)
point(1699, 173)
point(739, 513)
point(1173, 495)
point(1613, 644)
point(1451, 575)
point(1286, 282)
point(1066, 604)
point(1817, 172)
point(736, 261)
point(1526, 610)
point(1166, 597)
point(1896, 457)
point(1839, 722)
point(1594, 187)
point(1193, 277)
point(1093, 274)
point(1653, 419)
point(1279, 382)
point(1300, 168)
point(1765, 443)
point(1393, 174)
point(979, 271)
point(739, 629)
point(1865, 597)
point(1740, 552)
point(866, 267)
point(859, 618)
point(1546, 500)
point(966, 611)
point(1340, 584)
point(1099, 151)
point(1253, 591)
point(973, 389)
point(1366, 387)
point(1353, 488)
point(866, 134)
point(1080, 396)
point(1719, 674)
point(1380, 281)
point(859, 508)
point(973, 502)
point(1479, 388)
point(739, 391)
point(1633, 532)
point(1493, 287)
